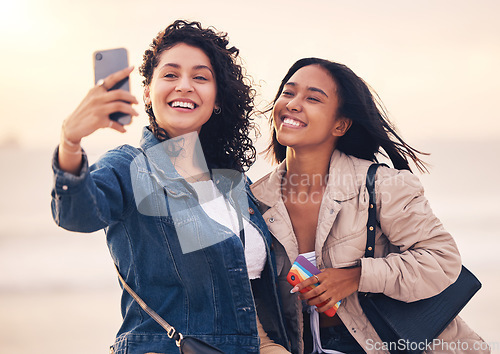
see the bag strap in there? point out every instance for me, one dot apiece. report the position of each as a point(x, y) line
point(371, 225)
point(171, 332)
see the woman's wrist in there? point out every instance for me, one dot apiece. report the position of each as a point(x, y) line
point(69, 146)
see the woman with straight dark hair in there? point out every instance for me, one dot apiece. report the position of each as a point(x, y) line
point(327, 130)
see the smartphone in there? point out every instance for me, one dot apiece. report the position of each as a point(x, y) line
point(107, 62)
point(300, 271)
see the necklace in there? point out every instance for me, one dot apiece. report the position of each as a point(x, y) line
point(181, 154)
point(203, 176)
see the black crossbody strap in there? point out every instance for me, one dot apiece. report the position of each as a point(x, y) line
point(171, 332)
point(371, 224)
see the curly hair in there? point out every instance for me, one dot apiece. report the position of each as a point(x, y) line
point(370, 131)
point(224, 137)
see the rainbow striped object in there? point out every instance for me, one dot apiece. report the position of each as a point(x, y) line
point(301, 270)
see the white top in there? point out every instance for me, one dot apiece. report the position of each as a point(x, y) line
point(314, 315)
point(221, 211)
point(310, 256)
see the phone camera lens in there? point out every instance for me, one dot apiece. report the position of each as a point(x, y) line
point(293, 277)
point(98, 56)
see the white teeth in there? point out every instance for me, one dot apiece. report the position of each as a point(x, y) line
point(181, 104)
point(291, 121)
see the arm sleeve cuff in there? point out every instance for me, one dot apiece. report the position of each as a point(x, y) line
point(65, 182)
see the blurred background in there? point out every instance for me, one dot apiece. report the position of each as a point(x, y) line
point(434, 64)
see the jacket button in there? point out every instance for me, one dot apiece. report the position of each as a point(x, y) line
point(250, 211)
point(271, 220)
point(65, 188)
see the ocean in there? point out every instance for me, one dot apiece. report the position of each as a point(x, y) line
point(59, 292)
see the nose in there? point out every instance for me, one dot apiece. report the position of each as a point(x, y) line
point(184, 84)
point(294, 105)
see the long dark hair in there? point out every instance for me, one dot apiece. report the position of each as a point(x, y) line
point(225, 136)
point(370, 131)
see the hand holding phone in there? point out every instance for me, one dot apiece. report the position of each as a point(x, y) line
point(107, 62)
point(301, 270)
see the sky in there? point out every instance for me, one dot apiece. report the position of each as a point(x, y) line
point(434, 64)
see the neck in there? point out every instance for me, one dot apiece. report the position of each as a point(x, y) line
point(190, 161)
point(307, 169)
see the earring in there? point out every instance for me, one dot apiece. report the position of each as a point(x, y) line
point(217, 110)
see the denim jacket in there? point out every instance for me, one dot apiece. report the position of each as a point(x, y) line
point(199, 286)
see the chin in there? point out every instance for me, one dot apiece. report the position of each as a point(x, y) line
point(287, 139)
point(285, 142)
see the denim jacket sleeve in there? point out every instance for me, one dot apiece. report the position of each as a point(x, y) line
point(99, 196)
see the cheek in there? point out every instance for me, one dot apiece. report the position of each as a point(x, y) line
point(278, 106)
point(160, 91)
point(210, 94)
point(274, 116)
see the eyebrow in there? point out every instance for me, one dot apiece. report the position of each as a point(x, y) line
point(196, 67)
point(310, 88)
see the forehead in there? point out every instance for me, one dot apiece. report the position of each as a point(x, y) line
point(314, 76)
point(184, 55)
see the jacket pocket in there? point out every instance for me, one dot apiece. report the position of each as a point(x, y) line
point(346, 250)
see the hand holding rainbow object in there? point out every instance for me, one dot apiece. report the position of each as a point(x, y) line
point(300, 271)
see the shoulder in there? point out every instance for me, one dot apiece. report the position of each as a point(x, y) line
point(123, 154)
point(402, 181)
point(119, 162)
point(268, 188)
point(386, 176)
point(261, 181)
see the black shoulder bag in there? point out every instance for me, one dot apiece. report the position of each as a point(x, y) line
point(410, 327)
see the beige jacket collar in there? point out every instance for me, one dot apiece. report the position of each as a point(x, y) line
point(342, 185)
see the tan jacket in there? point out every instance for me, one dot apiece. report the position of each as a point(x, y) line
point(415, 257)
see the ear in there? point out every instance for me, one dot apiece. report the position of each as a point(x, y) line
point(146, 96)
point(341, 127)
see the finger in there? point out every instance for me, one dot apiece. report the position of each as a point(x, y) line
point(311, 291)
point(116, 126)
point(300, 287)
point(311, 281)
point(317, 300)
point(328, 305)
point(116, 77)
point(120, 95)
point(119, 106)
point(112, 79)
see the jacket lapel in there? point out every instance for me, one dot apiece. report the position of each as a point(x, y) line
point(341, 187)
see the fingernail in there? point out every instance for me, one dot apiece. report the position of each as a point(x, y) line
point(294, 290)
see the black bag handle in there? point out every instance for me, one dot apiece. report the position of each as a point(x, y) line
point(371, 224)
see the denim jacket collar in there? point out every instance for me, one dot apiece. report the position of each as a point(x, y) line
point(162, 167)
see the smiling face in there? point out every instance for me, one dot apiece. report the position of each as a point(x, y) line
point(183, 90)
point(305, 114)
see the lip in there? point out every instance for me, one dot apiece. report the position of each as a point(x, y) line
point(183, 100)
point(301, 123)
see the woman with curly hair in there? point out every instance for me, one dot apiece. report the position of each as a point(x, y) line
point(180, 221)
